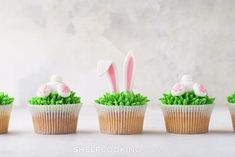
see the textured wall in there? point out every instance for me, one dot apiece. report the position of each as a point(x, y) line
point(68, 37)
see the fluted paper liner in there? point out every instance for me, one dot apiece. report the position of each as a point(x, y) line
point(232, 113)
point(55, 119)
point(121, 120)
point(192, 119)
point(5, 113)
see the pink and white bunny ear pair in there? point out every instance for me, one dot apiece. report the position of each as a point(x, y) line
point(109, 68)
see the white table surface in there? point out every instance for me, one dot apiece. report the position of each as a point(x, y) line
point(22, 141)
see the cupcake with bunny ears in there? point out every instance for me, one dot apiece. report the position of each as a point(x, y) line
point(187, 108)
point(55, 109)
point(120, 113)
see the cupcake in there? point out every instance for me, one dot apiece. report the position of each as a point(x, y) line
point(187, 108)
point(120, 112)
point(231, 106)
point(55, 109)
point(5, 112)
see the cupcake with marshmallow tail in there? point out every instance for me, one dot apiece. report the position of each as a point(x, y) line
point(55, 109)
point(120, 112)
point(187, 108)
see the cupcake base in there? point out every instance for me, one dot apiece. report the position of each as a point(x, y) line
point(121, 120)
point(55, 125)
point(5, 112)
point(55, 119)
point(232, 113)
point(233, 121)
point(193, 119)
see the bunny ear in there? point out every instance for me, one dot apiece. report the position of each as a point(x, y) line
point(109, 68)
point(103, 66)
point(129, 68)
point(112, 77)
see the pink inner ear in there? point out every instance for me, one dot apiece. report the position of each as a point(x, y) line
point(112, 77)
point(130, 65)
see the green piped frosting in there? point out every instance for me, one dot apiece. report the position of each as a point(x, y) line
point(188, 98)
point(122, 99)
point(55, 99)
point(231, 98)
point(5, 99)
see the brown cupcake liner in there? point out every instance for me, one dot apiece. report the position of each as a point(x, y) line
point(55, 119)
point(121, 120)
point(193, 119)
point(5, 113)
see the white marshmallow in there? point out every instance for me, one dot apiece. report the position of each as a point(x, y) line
point(178, 89)
point(44, 91)
point(56, 78)
point(55, 85)
point(187, 81)
point(199, 90)
point(63, 90)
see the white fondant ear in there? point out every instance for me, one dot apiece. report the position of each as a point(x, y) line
point(63, 90)
point(129, 70)
point(108, 68)
point(44, 91)
point(199, 90)
point(178, 89)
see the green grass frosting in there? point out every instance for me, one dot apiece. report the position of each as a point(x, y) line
point(122, 99)
point(188, 98)
point(231, 98)
point(5, 99)
point(55, 99)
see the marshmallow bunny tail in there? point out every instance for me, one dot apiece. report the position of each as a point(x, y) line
point(129, 69)
point(112, 77)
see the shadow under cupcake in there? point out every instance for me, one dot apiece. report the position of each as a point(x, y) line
point(187, 108)
point(5, 112)
point(55, 109)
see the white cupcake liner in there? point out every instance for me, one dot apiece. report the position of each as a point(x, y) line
point(55, 119)
point(187, 119)
point(231, 108)
point(121, 119)
point(5, 113)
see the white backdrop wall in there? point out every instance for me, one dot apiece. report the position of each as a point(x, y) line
point(67, 37)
